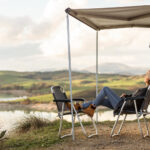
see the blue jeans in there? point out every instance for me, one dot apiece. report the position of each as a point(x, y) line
point(106, 97)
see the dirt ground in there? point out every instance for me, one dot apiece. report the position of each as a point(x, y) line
point(129, 139)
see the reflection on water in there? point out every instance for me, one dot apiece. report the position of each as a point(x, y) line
point(12, 98)
point(8, 119)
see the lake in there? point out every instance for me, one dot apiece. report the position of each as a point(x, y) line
point(12, 98)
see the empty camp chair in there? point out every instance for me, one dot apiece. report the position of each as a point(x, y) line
point(60, 98)
point(140, 109)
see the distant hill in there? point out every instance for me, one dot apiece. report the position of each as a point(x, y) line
point(14, 77)
point(106, 70)
point(117, 68)
point(39, 83)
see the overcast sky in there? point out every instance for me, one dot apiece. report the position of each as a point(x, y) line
point(33, 36)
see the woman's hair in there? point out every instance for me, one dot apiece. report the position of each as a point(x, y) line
point(148, 76)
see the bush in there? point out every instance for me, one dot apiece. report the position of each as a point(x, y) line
point(31, 122)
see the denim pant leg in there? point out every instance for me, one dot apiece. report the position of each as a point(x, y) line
point(85, 105)
point(106, 94)
point(97, 101)
point(105, 102)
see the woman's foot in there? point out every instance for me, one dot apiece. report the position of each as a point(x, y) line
point(77, 106)
point(89, 110)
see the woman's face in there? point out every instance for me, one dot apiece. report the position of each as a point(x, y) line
point(146, 80)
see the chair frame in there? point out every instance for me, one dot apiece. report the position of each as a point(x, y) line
point(142, 112)
point(76, 114)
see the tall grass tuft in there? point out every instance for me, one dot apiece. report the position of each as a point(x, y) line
point(29, 123)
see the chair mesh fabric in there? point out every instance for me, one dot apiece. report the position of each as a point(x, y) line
point(59, 95)
point(146, 100)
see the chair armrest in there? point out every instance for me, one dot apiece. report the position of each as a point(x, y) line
point(134, 98)
point(62, 100)
point(78, 99)
point(68, 100)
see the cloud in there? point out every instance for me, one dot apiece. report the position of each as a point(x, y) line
point(23, 38)
point(127, 1)
point(33, 63)
point(20, 51)
point(55, 12)
point(12, 29)
point(22, 29)
point(33, 45)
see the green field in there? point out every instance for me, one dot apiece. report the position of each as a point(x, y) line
point(36, 85)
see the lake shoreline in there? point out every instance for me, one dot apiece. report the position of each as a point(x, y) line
point(11, 106)
point(47, 107)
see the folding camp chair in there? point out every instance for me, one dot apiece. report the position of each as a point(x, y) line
point(139, 110)
point(60, 98)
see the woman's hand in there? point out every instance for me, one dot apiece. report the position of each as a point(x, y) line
point(123, 95)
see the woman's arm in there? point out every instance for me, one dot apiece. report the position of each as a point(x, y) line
point(125, 95)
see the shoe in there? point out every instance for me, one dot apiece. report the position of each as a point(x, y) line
point(89, 110)
point(77, 106)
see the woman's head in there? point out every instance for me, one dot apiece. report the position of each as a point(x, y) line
point(147, 78)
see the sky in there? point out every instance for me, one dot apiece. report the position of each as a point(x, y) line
point(33, 37)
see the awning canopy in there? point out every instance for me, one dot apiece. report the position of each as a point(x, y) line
point(115, 17)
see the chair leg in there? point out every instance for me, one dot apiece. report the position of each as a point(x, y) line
point(115, 124)
point(146, 126)
point(61, 122)
point(60, 126)
point(80, 121)
point(139, 125)
point(74, 123)
point(122, 124)
point(95, 127)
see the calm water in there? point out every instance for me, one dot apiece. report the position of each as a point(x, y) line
point(9, 119)
point(12, 98)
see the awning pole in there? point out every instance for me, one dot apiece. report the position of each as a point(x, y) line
point(96, 72)
point(70, 79)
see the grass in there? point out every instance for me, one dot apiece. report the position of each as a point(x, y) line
point(42, 98)
point(31, 135)
point(33, 132)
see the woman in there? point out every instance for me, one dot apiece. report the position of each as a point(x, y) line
point(108, 98)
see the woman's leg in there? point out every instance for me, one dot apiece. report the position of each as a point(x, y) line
point(104, 103)
point(85, 105)
point(106, 97)
point(106, 94)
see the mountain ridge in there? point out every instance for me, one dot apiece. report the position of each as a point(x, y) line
point(117, 68)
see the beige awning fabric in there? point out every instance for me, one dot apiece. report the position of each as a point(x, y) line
point(115, 17)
